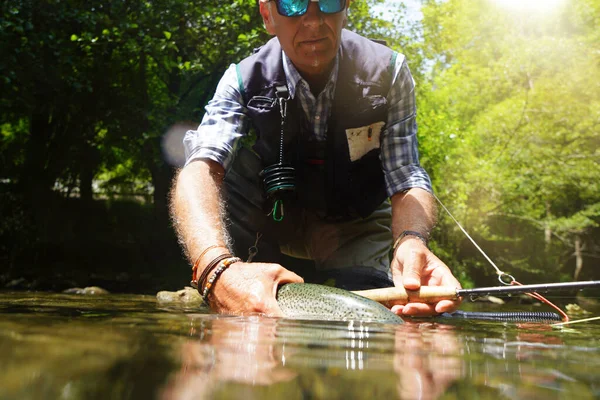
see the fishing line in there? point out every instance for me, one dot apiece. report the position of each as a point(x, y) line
point(544, 300)
point(560, 324)
point(500, 273)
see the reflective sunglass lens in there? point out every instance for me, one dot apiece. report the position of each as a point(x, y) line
point(332, 6)
point(292, 8)
point(296, 8)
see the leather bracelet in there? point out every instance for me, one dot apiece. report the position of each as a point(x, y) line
point(223, 265)
point(199, 258)
point(197, 283)
point(409, 233)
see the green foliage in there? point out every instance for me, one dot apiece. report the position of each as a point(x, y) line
point(75, 68)
point(508, 103)
point(376, 19)
point(515, 106)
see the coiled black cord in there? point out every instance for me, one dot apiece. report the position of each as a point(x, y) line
point(279, 177)
point(516, 316)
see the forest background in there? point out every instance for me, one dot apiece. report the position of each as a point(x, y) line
point(95, 97)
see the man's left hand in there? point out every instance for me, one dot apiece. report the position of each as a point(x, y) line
point(413, 266)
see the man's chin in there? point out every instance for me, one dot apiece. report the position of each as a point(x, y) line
point(317, 64)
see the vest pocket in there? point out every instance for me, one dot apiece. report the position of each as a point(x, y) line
point(266, 120)
point(363, 140)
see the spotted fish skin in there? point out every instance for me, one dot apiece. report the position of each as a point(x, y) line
point(311, 301)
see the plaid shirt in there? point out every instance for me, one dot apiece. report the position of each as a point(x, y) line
point(226, 121)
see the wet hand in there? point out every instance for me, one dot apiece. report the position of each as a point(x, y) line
point(414, 265)
point(250, 288)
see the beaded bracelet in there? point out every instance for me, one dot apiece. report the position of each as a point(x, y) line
point(197, 283)
point(222, 267)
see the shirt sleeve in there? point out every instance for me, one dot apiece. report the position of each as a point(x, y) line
point(399, 145)
point(223, 124)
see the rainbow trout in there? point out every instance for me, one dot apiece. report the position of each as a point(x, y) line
point(311, 301)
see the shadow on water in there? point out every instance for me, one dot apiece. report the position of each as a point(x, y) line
point(128, 347)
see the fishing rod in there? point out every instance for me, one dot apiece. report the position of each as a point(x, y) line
point(433, 294)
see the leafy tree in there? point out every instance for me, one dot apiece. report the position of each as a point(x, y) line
point(81, 78)
point(514, 105)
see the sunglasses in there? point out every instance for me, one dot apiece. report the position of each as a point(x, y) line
point(296, 8)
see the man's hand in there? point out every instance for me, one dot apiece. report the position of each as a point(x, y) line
point(250, 288)
point(414, 265)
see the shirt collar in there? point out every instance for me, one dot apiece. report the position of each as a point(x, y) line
point(294, 78)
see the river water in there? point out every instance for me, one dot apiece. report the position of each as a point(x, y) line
point(58, 346)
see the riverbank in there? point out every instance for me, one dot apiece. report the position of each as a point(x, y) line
point(122, 245)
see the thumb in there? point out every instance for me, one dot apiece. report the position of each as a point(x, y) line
point(411, 274)
point(288, 276)
point(284, 276)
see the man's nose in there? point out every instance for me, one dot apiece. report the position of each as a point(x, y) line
point(313, 15)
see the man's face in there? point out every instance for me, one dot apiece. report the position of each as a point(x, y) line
point(311, 40)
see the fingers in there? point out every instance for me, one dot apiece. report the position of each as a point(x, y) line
point(414, 265)
point(281, 276)
point(448, 278)
point(415, 309)
point(271, 307)
point(249, 291)
point(425, 310)
point(447, 306)
point(442, 273)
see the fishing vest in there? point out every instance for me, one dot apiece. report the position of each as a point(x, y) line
point(341, 176)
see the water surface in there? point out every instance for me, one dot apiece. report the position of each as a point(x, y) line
point(58, 346)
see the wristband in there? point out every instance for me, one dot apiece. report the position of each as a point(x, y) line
point(199, 258)
point(223, 265)
point(409, 233)
point(197, 283)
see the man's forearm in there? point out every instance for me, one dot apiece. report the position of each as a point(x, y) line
point(197, 209)
point(413, 210)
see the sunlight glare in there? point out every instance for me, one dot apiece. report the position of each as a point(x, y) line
point(529, 5)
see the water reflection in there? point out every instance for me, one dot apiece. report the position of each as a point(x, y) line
point(229, 356)
point(427, 360)
point(125, 347)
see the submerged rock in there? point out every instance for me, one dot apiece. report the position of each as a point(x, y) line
point(575, 309)
point(186, 296)
point(93, 290)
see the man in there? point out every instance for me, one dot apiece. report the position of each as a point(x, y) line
point(338, 111)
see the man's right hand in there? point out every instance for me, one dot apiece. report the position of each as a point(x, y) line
point(250, 288)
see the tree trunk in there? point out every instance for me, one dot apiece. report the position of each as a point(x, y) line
point(547, 229)
point(86, 176)
point(34, 176)
point(90, 159)
point(162, 175)
point(578, 257)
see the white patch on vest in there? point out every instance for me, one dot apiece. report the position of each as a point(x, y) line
point(364, 139)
